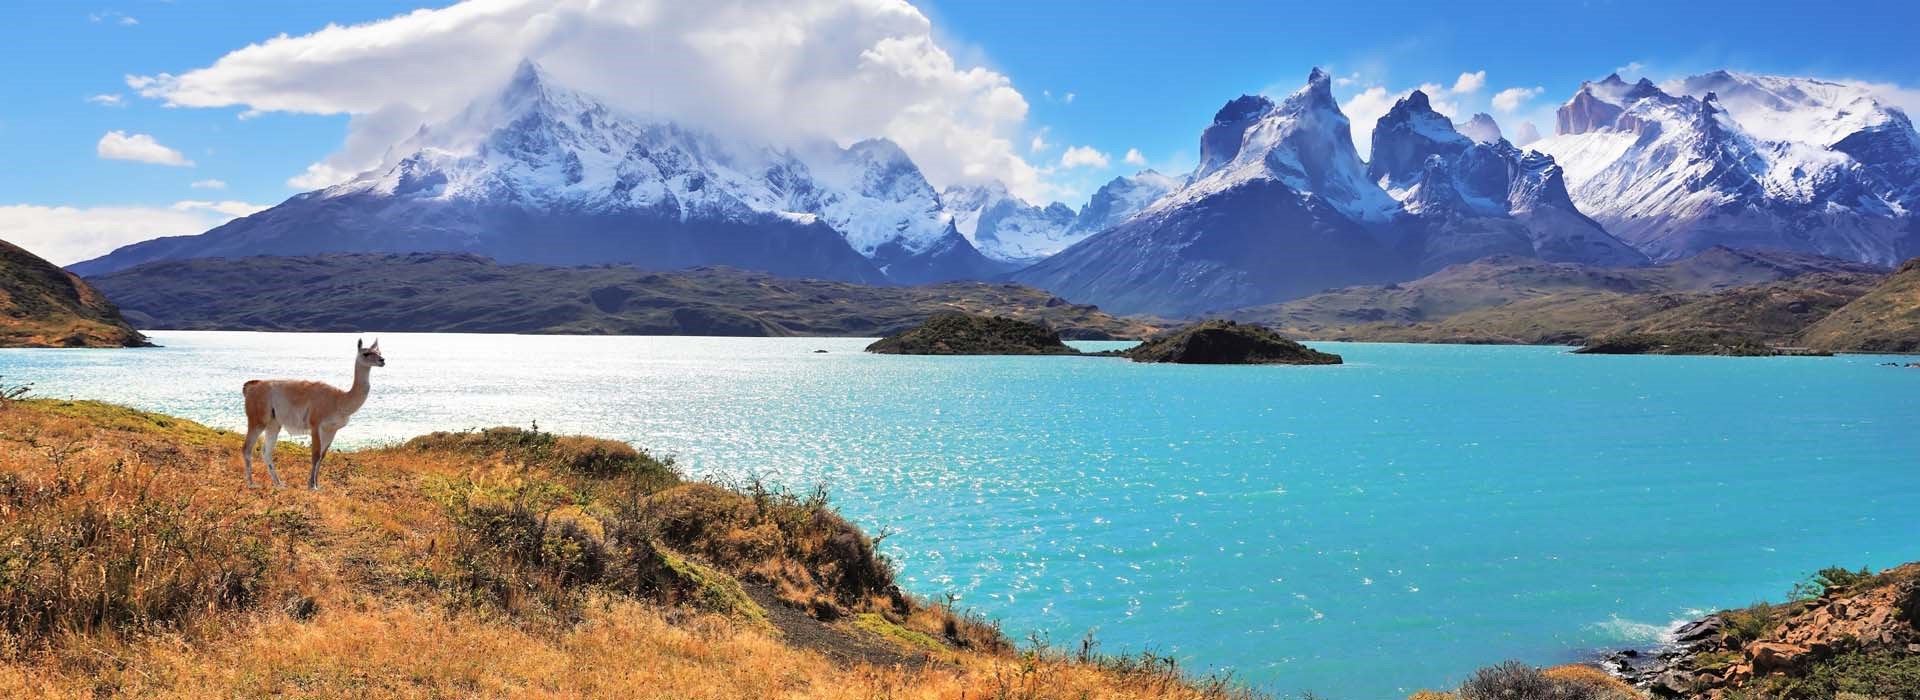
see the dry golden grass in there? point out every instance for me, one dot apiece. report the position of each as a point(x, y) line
point(502, 563)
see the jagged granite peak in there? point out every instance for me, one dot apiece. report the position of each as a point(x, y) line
point(1282, 207)
point(1406, 136)
point(1479, 199)
point(1220, 142)
point(538, 172)
point(1587, 112)
point(1303, 142)
point(1481, 128)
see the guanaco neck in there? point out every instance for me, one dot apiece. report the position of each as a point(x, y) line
point(357, 395)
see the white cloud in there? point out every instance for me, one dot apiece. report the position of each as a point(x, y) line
point(1084, 157)
point(319, 176)
point(229, 207)
point(209, 184)
point(66, 235)
point(1632, 68)
point(1512, 99)
point(1469, 83)
point(839, 69)
point(1068, 98)
point(1040, 142)
point(120, 145)
point(1363, 110)
point(108, 99)
point(114, 16)
point(1134, 157)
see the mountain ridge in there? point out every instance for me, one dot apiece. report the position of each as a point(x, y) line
point(446, 292)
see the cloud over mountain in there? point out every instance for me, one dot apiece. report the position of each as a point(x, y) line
point(772, 70)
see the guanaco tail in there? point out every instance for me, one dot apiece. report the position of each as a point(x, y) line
point(293, 404)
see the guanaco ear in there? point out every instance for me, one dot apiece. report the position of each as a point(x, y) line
point(357, 344)
point(376, 345)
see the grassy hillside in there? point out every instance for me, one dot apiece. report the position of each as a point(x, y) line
point(464, 293)
point(1769, 297)
point(43, 306)
point(503, 562)
point(1884, 319)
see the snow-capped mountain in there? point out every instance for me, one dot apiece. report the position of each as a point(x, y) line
point(1281, 206)
point(1479, 199)
point(1008, 229)
point(1278, 207)
point(1803, 165)
point(542, 173)
point(1843, 117)
point(1004, 227)
point(875, 196)
point(1120, 199)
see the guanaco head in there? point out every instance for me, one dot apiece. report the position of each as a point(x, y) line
point(370, 354)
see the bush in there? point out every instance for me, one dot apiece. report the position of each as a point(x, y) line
point(1883, 676)
point(1513, 680)
point(1828, 579)
point(1752, 623)
point(812, 556)
point(520, 556)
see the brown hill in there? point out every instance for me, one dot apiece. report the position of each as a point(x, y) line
point(1884, 319)
point(1770, 296)
point(43, 306)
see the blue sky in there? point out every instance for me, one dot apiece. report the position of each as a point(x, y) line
point(1107, 77)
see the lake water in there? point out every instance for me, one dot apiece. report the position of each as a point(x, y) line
point(1359, 531)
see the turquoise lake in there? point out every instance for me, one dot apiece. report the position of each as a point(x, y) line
point(1360, 531)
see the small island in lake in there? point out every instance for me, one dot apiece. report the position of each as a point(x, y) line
point(967, 334)
point(1688, 343)
point(1228, 343)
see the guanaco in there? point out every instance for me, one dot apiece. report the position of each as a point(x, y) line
point(293, 404)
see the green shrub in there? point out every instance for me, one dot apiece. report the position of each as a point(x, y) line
point(1753, 622)
point(1827, 579)
point(1883, 676)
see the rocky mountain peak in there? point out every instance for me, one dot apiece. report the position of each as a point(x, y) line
point(1481, 128)
point(1317, 93)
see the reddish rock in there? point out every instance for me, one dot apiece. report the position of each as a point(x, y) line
point(1768, 657)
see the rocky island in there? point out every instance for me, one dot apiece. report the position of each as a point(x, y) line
point(1228, 343)
point(43, 306)
point(967, 334)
